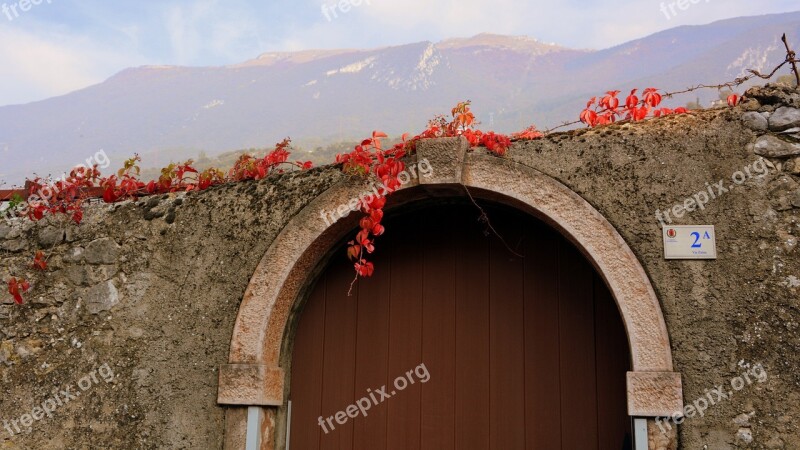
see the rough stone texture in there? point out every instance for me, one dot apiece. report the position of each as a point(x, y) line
point(654, 394)
point(181, 284)
point(775, 147)
point(239, 383)
point(661, 439)
point(784, 118)
point(447, 164)
point(755, 121)
point(14, 245)
point(793, 166)
point(101, 251)
point(51, 236)
point(101, 297)
point(4, 230)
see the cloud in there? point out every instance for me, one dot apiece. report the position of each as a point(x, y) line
point(577, 24)
point(213, 32)
point(37, 66)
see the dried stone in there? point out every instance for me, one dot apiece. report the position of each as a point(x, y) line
point(743, 420)
point(775, 443)
point(89, 275)
point(784, 118)
point(751, 105)
point(4, 230)
point(14, 245)
point(170, 219)
point(74, 255)
point(151, 214)
point(102, 297)
point(745, 435)
point(773, 147)
point(50, 236)
point(755, 121)
point(14, 233)
point(72, 234)
point(102, 251)
point(793, 166)
point(773, 94)
point(795, 199)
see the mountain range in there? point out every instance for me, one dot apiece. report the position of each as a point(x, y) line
point(320, 97)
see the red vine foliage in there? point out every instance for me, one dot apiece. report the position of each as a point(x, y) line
point(371, 159)
point(39, 261)
point(17, 287)
point(607, 109)
point(65, 196)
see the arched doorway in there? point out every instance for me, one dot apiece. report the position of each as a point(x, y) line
point(254, 383)
point(496, 344)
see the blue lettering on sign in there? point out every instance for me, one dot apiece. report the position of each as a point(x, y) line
point(697, 243)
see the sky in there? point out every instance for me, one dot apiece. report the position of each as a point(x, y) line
point(53, 47)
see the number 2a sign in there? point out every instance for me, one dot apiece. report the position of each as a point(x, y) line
point(690, 242)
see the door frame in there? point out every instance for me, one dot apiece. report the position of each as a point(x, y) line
point(254, 382)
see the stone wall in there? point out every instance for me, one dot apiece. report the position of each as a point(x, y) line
point(138, 303)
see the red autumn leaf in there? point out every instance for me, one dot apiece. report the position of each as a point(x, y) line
point(364, 268)
point(528, 134)
point(632, 100)
point(109, 196)
point(651, 97)
point(362, 236)
point(366, 223)
point(375, 203)
point(354, 251)
point(496, 143)
point(589, 117)
point(17, 287)
point(610, 101)
point(39, 261)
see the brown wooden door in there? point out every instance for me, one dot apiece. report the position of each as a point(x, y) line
point(520, 352)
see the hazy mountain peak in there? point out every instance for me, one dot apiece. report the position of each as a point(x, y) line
point(298, 57)
point(518, 43)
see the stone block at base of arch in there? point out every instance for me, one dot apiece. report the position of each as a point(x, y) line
point(250, 385)
point(654, 394)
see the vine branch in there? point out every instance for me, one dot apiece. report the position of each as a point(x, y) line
point(485, 219)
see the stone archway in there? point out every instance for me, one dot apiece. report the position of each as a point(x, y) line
point(254, 375)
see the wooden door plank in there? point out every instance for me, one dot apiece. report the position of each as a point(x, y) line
point(472, 396)
point(306, 381)
point(507, 353)
point(338, 379)
point(372, 354)
point(576, 321)
point(439, 335)
point(542, 369)
point(612, 364)
point(405, 339)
